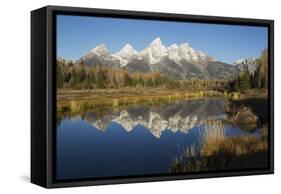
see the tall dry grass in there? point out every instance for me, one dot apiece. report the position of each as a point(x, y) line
point(225, 153)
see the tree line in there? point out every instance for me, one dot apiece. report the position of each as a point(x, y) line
point(79, 76)
point(259, 79)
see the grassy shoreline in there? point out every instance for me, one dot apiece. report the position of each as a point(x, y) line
point(225, 154)
point(75, 100)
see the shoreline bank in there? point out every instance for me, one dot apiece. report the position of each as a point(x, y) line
point(75, 100)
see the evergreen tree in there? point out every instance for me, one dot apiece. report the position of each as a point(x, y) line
point(101, 78)
point(244, 80)
point(128, 80)
point(59, 75)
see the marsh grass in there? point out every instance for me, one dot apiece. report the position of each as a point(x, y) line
point(227, 153)
point(79, 101)
point(77, 106)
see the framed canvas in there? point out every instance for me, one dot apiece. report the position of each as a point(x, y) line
point(126, 96)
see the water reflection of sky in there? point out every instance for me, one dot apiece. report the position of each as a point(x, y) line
point(85, 149)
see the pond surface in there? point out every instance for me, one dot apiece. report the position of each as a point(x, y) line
point(137, 139)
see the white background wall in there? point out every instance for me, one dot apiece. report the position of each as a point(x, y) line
point(15, 94)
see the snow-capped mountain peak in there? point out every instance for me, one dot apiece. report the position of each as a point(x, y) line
point(191, 55)
point(173, 46)
point(157, 41)
point(176, 61)
point(155, 51)
point(243, 63)
point(239, 61)
point(100, 50)
point(187, 53)
point(128, 48)
point(173, 53)
point(185, 46)
point(125, 54)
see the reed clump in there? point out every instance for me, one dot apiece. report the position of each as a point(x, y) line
point(225, 154)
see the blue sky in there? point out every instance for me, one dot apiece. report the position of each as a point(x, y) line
point(76, 35)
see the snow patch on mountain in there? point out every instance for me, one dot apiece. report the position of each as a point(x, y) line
point(154, 52)
point(176, 62)
point(173, 53)
point(101, 50)
point(125, 121)
point(243, 63)
point(126, 54)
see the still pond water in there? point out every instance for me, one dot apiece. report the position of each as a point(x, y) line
point(137, 139)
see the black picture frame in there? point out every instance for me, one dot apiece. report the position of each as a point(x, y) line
point(43, 93)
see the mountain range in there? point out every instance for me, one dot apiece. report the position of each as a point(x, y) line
point(175, 61)
point(250, 63)
point(180, 117)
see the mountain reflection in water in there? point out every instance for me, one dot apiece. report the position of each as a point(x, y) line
point(180, 116)
point(138, 139)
